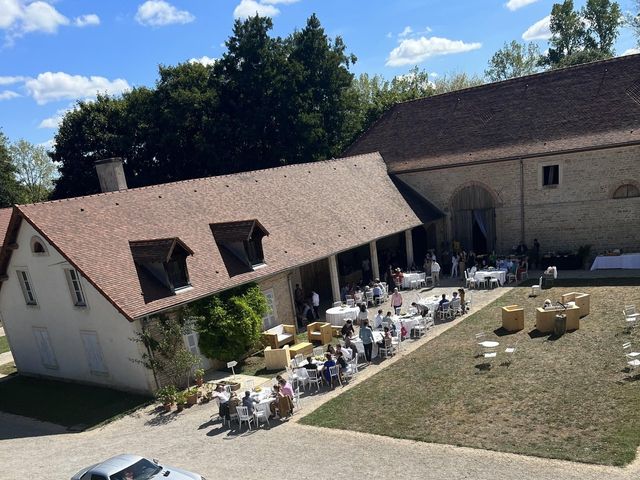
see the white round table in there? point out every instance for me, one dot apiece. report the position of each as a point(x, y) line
point(338, 315)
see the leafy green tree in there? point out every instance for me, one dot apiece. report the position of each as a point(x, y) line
point(230, 323)
point(632, 19)
point(582, 36)
point(513, 60)
point(456, 81)
point(34, 169)
point(11, 191)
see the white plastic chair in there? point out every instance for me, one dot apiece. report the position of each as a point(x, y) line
point(493, 281)
point(296, 397)
point(302, 376)
point(243, 416)
point(299, 358)
point(469, 282)
point(395, 343)
point(511, 351)
point(360, 349)
point(249, 385)
point(369, 298)
point(629, 352)
point(350, 302)
point(261, 414)
point(352, 369)
point(334, 372)
point(480, 281)
point(314, 378)
point(630, 315)
point(386, 349)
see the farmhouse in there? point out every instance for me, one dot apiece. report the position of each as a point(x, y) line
point(81, 276)
point(553, 156)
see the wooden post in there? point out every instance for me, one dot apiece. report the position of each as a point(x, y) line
point(335, 281)
point(373, 253)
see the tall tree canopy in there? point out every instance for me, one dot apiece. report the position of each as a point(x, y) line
point(34, 170)
point(11, 191)
point(513, 60)
point(268, 101)
point(585, 35)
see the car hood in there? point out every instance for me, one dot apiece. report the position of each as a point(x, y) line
point(174, 473)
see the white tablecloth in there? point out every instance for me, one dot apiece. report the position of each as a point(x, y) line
point(338, 315)
point(377, 337)
point(430, 303)
point(501, 275)
point(408, 323)
point(627, 260)
point(408, 277)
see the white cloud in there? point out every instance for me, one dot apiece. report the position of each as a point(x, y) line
point(412, 51)
point(249, 8)
point(50, 86)
point(631, 51)
point(158, 13)
point(204, 60)
point(406, 32)
point(49, 144)
point(10, 12)
point(541, 30)
point(8, 95)
point(56, 119)
point(279, 2)
point(514, 5)
point(87, 20)
point(42, 17)
point(11, 80)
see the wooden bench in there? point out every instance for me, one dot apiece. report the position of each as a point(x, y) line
point(337, 331)
point(512, 318)
point(582, 300)
point(304, 348)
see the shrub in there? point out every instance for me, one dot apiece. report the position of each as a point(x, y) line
point(230, 323)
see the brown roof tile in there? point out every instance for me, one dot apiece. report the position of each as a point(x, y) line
point(582, 107)
point(5, 216)
point(309, 211)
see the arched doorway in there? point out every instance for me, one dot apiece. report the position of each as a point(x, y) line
point(473, 219)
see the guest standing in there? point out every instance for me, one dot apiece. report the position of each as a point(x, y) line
point(366, 335)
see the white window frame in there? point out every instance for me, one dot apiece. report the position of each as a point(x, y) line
point(75, 287)
point(47, 354)
point(26, 284)
point(271, 318)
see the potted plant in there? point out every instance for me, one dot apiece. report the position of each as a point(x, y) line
point(181, 399)
point(167, 396)
point(191, 395)
point(207, 394)
point(199, 376)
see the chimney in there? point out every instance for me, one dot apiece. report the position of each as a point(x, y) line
point(111, 174)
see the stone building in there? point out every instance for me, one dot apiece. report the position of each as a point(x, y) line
point(553, 156)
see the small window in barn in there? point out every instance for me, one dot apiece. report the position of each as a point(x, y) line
point(38, 247)
point(550, 175)
point(626, 191)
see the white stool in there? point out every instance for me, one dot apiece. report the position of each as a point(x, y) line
point(535, 290)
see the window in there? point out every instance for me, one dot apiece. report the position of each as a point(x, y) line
point(94, 353)
point(177, 272)
point(271, 318)
point(47, 356)
point(626, 191)
point(75, 287)
point(253, 247)
point(550, 175)
point(27, 287)
point(38, 247)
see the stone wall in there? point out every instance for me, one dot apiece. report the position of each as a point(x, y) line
point(580, 210)
point(283, 302)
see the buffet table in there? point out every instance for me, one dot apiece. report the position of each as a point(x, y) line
point(501, 275)
point(408, 277)
point(626, 260)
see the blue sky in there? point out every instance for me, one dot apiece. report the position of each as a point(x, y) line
point(53, 52)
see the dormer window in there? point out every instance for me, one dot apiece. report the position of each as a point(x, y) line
point(240, 245)
point(164, 260)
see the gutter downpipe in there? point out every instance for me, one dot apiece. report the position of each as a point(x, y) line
point(522, 230)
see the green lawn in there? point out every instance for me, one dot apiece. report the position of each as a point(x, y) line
point(8, 368)
point(67, 404)
point(569, 398)
point(4, 344)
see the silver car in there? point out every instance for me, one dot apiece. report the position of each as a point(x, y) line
point(133, 467)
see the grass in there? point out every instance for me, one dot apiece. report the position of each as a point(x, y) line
point(4, 345)
point(8, 368)
point(72, 405)
point(569, 398)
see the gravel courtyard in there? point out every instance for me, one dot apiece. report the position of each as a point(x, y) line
point(196, 441)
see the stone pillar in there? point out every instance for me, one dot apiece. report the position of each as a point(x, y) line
point(409, 243)
point(335, 282)
point(373, 253)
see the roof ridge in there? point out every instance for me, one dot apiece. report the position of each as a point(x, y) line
point(556, 71)
point(202, 179)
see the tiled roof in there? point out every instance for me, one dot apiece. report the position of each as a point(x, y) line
point(310, 210)
point(582, 107)
point(5, 216)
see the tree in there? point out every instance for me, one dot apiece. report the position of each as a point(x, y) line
point(633, 20)
point(584, 36)
point(513, 60)
point(11, 191)
point(230, 323)
point(34, 170)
